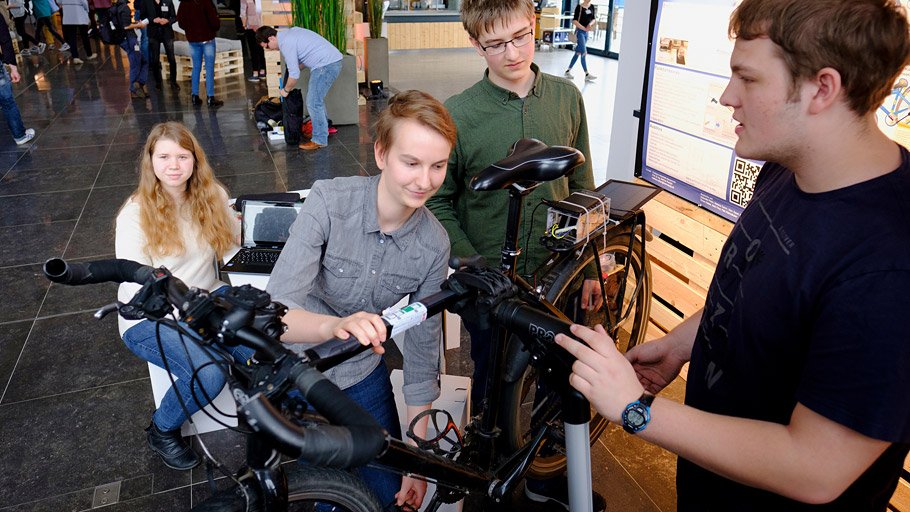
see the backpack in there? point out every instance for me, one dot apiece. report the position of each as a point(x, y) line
point(267, 109)
point(112, 31)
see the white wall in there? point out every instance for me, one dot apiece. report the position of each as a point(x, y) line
point(624, 136)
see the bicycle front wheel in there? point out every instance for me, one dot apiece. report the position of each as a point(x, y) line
point(527, 405)
point(324, 489)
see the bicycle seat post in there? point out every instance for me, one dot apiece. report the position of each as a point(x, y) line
point(510, 250)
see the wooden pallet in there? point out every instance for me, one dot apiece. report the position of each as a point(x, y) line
point(229, 63)
point(684, 250)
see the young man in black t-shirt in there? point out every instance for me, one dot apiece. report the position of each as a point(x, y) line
point(795, 397)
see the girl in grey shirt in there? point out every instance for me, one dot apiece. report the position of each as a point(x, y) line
point(361, 244)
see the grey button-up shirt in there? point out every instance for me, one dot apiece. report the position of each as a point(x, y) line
point(338, 262)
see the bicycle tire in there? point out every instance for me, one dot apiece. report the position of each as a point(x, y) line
point(330, 489)
point(561, 283)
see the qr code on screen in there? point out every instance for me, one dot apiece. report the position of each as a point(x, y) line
point(743, 183)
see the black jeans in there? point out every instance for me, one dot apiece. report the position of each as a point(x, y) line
point(27, 38)
point(46, 22)
point(257, 54)
point(155, 57)
point(70, 32)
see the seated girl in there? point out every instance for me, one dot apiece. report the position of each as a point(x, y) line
point(361, 244)
point(179, 218)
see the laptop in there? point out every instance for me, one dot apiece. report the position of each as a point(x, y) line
point(263, 233)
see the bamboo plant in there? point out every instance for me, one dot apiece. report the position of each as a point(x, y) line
point(375, 7)
point(325, 17)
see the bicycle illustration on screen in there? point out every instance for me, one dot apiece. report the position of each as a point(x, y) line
point(896, 107)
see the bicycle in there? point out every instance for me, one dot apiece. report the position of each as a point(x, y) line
point(478, 463)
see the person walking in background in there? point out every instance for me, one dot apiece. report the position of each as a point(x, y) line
point(18, 12)
point(302, 47)
point(582, 20)
point(251, 18)
point(101, 8)
point(199, 20)
point(7, 78)
point(161, 16)
point(43, 10)
point(75, 22)
point(139, 67)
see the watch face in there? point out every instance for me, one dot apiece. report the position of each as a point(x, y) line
point(635, 416)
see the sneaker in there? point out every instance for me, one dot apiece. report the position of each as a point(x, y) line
point(92, 56)
point(77, 60)
point(29, 135)
point(253, 78)
point(589, 77)
point(65, 47)
point(556, 490)
point(569, 75)
point(26, 52)
point(41, 48)
point(261, 73)
point(52, 46)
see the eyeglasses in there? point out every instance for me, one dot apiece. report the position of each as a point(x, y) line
point(520, 40)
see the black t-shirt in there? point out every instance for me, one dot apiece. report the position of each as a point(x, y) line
point(809, 305)
point(585, 15)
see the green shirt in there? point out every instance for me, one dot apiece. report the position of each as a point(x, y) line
point(490, 119)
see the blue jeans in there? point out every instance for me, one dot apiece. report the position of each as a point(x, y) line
point(139, 65)
point(9, 107)
point(140, 339)
point(581, 48)
point(321, 80)
point(199, 50)
point(374, 393)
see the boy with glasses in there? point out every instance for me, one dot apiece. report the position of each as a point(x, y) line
point(513, 100)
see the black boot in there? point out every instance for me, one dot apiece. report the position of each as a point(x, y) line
point(214, 102)
point(172, 448)
point(197, 100)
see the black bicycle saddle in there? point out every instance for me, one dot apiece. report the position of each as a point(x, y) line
point(530, 162)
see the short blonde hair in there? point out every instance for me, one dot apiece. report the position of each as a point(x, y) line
point(418, 106)
point(479, 16)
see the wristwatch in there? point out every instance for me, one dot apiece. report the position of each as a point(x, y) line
point(636, 416)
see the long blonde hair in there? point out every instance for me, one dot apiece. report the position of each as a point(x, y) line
point(205, 198)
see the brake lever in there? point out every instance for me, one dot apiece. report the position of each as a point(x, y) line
point(108, 309)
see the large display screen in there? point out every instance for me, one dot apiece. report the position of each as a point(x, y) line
point(687, 135)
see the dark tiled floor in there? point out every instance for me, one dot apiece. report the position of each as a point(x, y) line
point(73, 400)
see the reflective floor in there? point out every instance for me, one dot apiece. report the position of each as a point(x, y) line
point(73, 400)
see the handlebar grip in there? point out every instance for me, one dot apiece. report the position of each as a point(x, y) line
point(325, 445)
point(476, 260)
point(116, 270)
point(336, 346)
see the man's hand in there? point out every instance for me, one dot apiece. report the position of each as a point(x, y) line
point(656, 363)
point(601, 373)
point(160, 21)
point(591, 295)
point(368, 328)
point(412, 492)
point(283, 92)
point(14, 74)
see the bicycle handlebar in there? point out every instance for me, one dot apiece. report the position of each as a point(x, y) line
point(326, 445)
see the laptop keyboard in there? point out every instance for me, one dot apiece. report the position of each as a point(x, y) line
point(253, 256)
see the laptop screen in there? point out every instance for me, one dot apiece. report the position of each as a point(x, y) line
point(266, 223)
